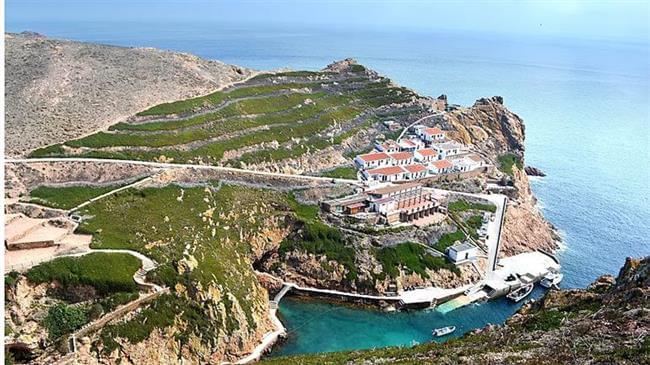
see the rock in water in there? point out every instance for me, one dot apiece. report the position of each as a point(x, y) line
point(534, 171)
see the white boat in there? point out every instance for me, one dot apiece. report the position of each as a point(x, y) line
point(551, 279)
point(443, 331)
point(520, 293)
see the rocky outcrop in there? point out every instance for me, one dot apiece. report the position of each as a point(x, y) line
point(58, 90)
point(609, 323)
point(488, 125)
point(494, 130)
point(534, 171)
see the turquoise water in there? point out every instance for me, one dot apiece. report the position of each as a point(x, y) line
point(586, 108)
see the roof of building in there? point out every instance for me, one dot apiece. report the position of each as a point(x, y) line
point(415, 168)
point(428, 152)
point(375, 156)
point(449, 145)
point(433, 131)
point(387, 199)
point(442, 164)
point(463, 246)
point(389, 170)
point(401, 155)
point(393, 188)
point(474, 157)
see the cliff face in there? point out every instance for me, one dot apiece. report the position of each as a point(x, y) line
point(59, 90)
point(608, 323)
point(494, 130)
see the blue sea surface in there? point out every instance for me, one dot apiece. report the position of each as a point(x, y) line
point(586, 108)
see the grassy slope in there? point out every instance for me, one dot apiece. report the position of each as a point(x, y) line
point(67, 197)
point(106, 272)
point(353, 100)
point(205, 221)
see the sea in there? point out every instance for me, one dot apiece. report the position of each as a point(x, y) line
point(586, 108)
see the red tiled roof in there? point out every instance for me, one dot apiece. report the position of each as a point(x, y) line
point(432, 131)
point(428, 152)
point(442, 164)
point(401, 155)
point(374, 156)
point(415, 168)
point(390, 170)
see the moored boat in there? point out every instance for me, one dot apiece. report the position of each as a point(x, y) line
point(551, 279)
point(520, 293)
point(443, 331)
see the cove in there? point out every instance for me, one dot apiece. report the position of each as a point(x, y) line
point(319, 326)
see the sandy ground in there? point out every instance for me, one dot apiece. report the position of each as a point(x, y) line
point(23, 229)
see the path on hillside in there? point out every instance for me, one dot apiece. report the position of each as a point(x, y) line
point(167, 165)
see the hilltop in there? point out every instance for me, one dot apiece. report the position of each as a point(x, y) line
point(58, 90)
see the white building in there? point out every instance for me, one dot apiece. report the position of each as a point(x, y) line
point(429, 135)
point(388, 146)
point(467, 162)
point(388, 173)
point(426, 155)
point(448, 148)
point(372, 160)
point(415, 171)
point(441, 167)
point(462, 252)
point(401, 158)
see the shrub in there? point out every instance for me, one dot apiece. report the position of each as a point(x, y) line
point(463, 205)
point(67, 197)
point(63, 319)
point(411, 257)
point(448, 239)
point(106, 272)
point(506, 161)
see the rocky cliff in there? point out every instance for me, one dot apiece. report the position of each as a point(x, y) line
point(58, 90)
point(496, 131)
point(607, 323)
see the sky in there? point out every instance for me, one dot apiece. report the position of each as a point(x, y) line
point(626, 20)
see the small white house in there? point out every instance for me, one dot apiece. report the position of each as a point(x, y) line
point(449, 148)
point(431, 134)
point(388, 173)
point(467, 163)
point(388, 146)
point(441, 167)
point(426, 155)
point(401, 158)
point(372, 160)
point(462, 252)
point(415, 171)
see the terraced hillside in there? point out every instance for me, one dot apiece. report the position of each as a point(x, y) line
point(268, 118)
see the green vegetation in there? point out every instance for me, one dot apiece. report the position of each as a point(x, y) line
point(320, 239)
point(506, 161)
point(106, 272)
point(11, 279)
point(67, 197)
point(218, 97)
point(216, 223)
point(448, 239)
point(62, 319)
point(545, 321)
point(343, 172)
point(411, 257)
point(285, 114)
point(463, 205)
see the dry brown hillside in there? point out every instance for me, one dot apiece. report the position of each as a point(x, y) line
point(57, 90)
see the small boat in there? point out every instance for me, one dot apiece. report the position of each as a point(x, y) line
point(443, 331)
point(552, 279)
point(520, 293)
